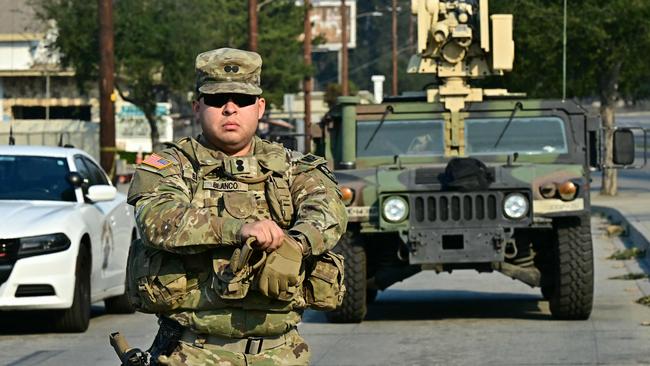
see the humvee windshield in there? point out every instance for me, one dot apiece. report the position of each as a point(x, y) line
point(400, 138)
point(524, 135)
point(533, 135)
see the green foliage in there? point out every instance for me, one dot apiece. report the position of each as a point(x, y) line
point(603, 37)
point(281, 23)
point(606, 45)
point(625, 254)
point(630, 276)
point(77, 32)
point(334, 90)
point(156, 42)
point(373, 54)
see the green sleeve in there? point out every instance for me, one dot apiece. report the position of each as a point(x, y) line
point(168, 220)
point(321, 217)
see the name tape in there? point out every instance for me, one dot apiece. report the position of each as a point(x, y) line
point(226, 186)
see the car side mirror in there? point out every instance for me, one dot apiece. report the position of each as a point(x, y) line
point(623, 147)
point(76, 179)
point(101, 193)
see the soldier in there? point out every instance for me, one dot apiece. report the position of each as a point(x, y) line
point(234, 230)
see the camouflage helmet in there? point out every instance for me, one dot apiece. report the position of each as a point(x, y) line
point(228, 70)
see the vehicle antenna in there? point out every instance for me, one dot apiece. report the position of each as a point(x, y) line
point(12, 140)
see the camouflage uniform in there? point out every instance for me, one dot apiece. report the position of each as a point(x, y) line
point(190, 205)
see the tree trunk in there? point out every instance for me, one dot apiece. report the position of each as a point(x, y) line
point(608, 84)
point(155, 135)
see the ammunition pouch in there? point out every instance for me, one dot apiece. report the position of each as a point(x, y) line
point(324, 287)
point(159, 281)
point(278, 197)
point(232, 278)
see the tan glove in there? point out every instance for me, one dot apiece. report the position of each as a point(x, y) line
point(280, 276)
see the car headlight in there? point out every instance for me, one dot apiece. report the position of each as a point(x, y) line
point(395, 209)
point(42, 244)
point(515, 206)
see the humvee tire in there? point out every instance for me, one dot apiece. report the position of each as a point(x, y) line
point(547, 292)
point(371, 295)
point(354, 307)
point(573, 291)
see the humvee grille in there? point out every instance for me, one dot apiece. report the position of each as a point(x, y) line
point(456, 207)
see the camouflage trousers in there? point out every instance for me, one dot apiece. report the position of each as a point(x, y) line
point(295, 351)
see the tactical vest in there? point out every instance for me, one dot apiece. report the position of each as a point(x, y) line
point(248, 188)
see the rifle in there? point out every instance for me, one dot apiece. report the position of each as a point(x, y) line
point(128, 356)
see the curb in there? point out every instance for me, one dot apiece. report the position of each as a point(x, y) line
point(633, 234)
point(632, 237)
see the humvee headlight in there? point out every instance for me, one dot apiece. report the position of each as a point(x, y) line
point(567, 190)
point(395, 209)
point(347, 195)
point(515, 206)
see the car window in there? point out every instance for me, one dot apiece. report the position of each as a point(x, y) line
point(90, 171)
point(83, 170)
point(97, 174)
point(35, 178)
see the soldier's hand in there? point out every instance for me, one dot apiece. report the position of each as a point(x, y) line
point(280, 276)
point(268, 234)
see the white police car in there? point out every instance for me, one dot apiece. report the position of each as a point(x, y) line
point(65, 233)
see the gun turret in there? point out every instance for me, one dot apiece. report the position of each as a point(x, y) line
point(458, 41)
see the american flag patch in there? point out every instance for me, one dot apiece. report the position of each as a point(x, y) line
point(156, 161)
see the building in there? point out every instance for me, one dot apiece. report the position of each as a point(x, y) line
point(33, 85)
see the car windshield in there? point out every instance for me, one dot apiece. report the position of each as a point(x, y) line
point(400, 138)
point(524, 135)
point(34, 178)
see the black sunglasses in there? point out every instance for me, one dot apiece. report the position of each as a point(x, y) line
point(219, 100)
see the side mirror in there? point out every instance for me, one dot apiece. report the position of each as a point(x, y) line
point(76, 179)
point(101, 193)
point(623, 150)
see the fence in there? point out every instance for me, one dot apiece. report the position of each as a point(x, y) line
point(81, 134)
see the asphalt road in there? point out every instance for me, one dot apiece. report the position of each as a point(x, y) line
point(458, 319)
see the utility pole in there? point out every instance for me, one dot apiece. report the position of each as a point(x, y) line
point(307, 82)
point(344, 50)
point(394, 39)
point(564, 55)
point(252, 25)
point(106, 86)
point(411, 35)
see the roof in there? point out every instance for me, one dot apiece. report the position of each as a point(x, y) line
point(52, 151)
point(17, 17)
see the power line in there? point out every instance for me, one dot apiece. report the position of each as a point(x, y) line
point(367, 64)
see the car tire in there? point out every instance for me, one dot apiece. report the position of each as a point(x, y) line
point(354, 307)
point(77, 317)
point(119, 305)
point(573, 264)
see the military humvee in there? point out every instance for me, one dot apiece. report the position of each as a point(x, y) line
point(459, 177)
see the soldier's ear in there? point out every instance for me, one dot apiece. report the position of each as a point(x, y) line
point(261, 106)
point(195, 106)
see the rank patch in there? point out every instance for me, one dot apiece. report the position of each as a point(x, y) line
point(157, 161)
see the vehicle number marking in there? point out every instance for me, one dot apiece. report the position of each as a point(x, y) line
point(361, 211)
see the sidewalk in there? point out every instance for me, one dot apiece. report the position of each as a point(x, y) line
point(630, 210)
